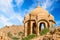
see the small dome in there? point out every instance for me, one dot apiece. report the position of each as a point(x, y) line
point(27, 16)
point(51, 17)
point(38, 11)
point(58, 27)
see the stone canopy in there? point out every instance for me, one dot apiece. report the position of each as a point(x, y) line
point(34, 20)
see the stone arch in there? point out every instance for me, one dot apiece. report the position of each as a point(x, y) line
point(45, 22)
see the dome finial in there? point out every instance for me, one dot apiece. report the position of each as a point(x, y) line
point(38, 3)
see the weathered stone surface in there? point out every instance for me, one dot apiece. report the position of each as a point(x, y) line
point(14, 30)
point(53, 34)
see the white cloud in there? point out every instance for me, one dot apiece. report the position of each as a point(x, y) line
point(6, 8)
point(19, 2)
point(47, 5)
point(7, 21)
point(4, 21)
point(19, 18)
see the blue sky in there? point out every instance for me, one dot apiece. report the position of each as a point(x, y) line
point(12, 12)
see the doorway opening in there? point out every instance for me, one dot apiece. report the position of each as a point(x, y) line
point(41, 26)
point(28, 28)
point(34, 28)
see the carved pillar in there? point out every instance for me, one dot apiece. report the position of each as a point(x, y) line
point(50, 23)
point(25, 29)
point(31, 24)
point(37, 29)
point(46, 25)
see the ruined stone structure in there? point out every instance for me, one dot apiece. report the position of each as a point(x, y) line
point(53, 34)
point(35, 19)
point(12, 30)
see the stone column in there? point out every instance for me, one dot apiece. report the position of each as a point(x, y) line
point(50, 25)
point(31, 24)
point(25, 29)
point(37, 29)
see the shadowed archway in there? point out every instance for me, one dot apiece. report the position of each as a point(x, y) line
point(28, 28)
point(34, 28)
point(42, 25)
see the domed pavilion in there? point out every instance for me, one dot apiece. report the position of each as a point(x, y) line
point(35, 19)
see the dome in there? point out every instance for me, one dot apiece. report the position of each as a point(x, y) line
point(38, 11)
